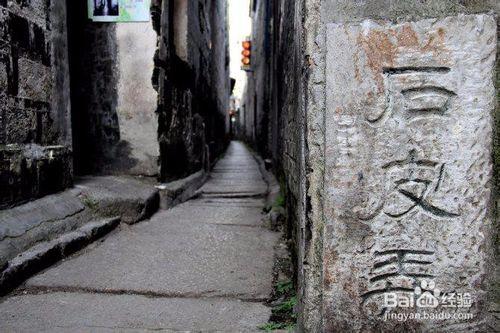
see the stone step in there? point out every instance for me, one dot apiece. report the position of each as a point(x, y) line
point(45, 254)
point(24, 226)
point(179, 191)
point(132, 199)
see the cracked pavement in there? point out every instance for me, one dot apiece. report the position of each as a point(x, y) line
point(205, 265)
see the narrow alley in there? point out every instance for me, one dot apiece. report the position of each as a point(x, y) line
point(205, 265)
point(317, 166)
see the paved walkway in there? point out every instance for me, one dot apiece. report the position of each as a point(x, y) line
point(205, 265)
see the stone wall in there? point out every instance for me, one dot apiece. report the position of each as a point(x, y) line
point(381, 125)
point(193, 84)
point(35, 134)
point(409, 168)
point(274, 111)
point(432, 96)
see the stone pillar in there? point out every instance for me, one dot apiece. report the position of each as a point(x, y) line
point(408, 176)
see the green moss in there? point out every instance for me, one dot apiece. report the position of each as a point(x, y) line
point(286, 307)
point(269, 327)
point(90, 203)
point(284, 287)
point(279, 202)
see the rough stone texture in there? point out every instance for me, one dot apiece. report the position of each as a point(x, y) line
point(287, 90)
point(127, 197)
point(34, 101)
point(408, 167)
point(40, 220)
point(32, 171)
point(356, 11)
point(45, 254)
point(311, 236)
point(193, 84)
point(179, 191)
point(205, 265)
point(119, 313)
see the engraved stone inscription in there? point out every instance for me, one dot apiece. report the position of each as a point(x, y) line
point(391, 265)
point(407, 165)
point(410, 185)
point(419, 91)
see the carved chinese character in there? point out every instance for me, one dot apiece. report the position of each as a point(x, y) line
point(399, 270)
point(416, 91)
point(410, 185)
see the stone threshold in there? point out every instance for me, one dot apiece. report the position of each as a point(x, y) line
point(179, 191)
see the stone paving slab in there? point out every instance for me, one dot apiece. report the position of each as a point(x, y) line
point(205, 265)
point(45, 254)
point(222, 188)
point(80, 312)
point(239, 202)
point(26, 225)
point(236, 175)
point(222, 212)
point(176, 253)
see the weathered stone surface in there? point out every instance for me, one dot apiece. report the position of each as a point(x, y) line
point(192, 78)
point(32, 171)
point(237, 175)
point(34, 101)
point(178, 252)
point(408, 168)
point(244, 211)
point(181, 190)
point(17, 221)
point(127, 197)
point(40, 220)
point(44, 254)
point(128, 313)
point(137, 100)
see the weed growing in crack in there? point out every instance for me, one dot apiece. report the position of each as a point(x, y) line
point(89, 202)
point(269, 327)
point(283, 308)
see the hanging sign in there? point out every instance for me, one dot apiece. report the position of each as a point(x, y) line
point(119, 10)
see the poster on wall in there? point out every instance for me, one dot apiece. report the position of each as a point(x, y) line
point(119, 10)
